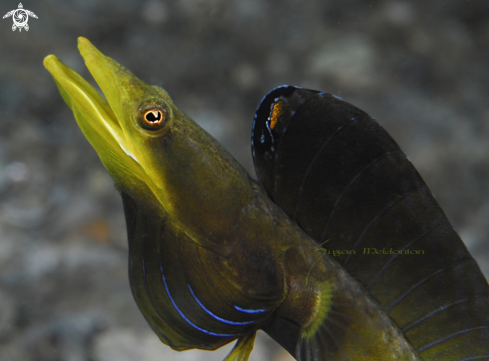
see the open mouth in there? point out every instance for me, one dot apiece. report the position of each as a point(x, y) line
point(98, 118)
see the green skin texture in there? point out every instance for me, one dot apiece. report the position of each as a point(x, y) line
point(184, 176)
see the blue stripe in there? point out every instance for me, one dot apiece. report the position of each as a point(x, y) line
point(150, 322)
point(154, 328)
point(215, 316)
point(250, 311)
point(183, 316)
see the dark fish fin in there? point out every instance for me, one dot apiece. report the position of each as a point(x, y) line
point(149, 296)
point(169, 276)
point(242, 349)
point(285, 332)
point(346, 326)
point(336, 172)
point(349, 333)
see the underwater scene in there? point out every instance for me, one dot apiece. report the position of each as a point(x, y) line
point(297, 177)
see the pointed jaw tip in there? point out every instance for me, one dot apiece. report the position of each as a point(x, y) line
point(49, 59)
point(111, 77)
point(82, 40)
point(88, 50)
point(51, 62)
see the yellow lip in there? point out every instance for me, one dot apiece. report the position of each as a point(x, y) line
point(98, 118)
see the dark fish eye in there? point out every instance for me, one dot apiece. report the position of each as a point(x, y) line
point(153, 118)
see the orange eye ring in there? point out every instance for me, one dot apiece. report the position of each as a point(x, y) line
point(154, 117)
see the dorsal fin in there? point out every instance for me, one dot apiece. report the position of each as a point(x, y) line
point(336, 172)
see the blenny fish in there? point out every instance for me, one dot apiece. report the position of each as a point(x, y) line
point(215, 255)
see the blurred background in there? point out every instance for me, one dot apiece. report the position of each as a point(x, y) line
point(420, 67)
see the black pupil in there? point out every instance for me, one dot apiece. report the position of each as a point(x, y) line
point(150, 117)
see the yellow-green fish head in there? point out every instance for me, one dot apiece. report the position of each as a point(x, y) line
point(124, 125)
point(150, 148)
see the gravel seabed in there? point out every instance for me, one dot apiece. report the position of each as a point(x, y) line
point(420, 67)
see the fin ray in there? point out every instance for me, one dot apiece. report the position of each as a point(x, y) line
point(242, 349)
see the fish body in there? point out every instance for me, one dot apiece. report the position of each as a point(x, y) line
point(215, 256)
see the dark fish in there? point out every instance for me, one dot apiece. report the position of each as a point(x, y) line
point(340, 252)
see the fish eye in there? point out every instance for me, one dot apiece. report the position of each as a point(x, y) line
point(153, 117)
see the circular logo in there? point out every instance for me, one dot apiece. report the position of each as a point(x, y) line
point(20, 18)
